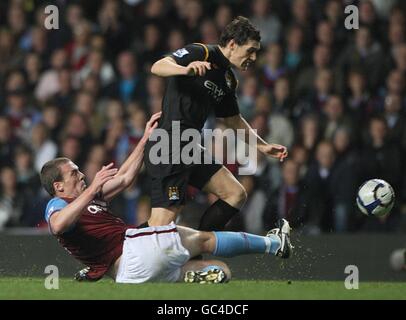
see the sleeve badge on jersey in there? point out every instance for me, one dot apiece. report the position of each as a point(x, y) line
point(180, 53)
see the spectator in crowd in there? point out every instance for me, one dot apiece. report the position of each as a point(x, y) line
point(266, 21)
point(13, 203)
point(44, 148)
point(8, 142)
point(29, 185)
point(209, 32)
point(346, 181)
point(321, 60)
point(48, 84)
point(96, 65)
point(52, 119)
point(22, 115)
point(282, 98)
point(294, 54)
point(365, 54)
point(335, 117)
point(318, 193)
point(129, 84)
point(287, 201)
point(395, 120)
point(65, 95)
point(113, 27)
point(223, 16)
point(273, 67)
point(176, 40)
point(32, 68)
point(255, 206)
point(359, 100)
point(150, 47)
point(309, 134)
point(301, 16)
point(248, 95)
point(76, 137)
point(334, 14)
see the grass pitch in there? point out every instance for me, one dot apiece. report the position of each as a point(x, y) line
point(34, 288)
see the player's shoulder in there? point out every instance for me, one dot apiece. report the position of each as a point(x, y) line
point(57, 201)
point(55, 204)
point(192, 51)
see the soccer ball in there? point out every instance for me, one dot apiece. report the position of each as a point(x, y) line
point(397, 260)
point(375, 198)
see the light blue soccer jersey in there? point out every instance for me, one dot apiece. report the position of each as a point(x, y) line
point(54, 205)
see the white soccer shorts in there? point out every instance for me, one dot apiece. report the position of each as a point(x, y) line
point(152, 254)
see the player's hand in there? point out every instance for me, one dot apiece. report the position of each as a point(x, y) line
point(276, 151)
point(102, 176)
point(151, 125)
point(198, 68)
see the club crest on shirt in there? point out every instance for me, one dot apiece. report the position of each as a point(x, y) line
point(173, 193)
point(231, 81)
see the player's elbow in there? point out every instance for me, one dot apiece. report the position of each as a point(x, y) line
point(126, 180)
point(155, 68)
point(58, 228)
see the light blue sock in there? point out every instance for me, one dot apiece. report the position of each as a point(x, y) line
point(230, 244)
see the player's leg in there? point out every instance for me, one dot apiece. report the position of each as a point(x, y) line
point(163, 216)
point(217, 179)
point(230, 244)
point(168, 196)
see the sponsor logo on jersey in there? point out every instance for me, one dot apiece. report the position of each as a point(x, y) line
point(173, 193)
point(215, 91)
point(180, 53)
point(94, 209)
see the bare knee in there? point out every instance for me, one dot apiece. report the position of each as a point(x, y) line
point(207, 242)
point(237, 196)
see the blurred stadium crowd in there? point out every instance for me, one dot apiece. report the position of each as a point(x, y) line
point(335, 97)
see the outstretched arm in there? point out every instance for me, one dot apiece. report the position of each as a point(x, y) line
point(131, 167)
point(167, 67)
point(274, 150)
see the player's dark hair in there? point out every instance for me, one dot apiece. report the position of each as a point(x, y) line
point(240, 30)
point(51, 173)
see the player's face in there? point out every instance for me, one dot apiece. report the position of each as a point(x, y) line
point(243, 56)
point(73, 183)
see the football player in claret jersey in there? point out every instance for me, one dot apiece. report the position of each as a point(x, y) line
point(201, 82)
point(79, 217)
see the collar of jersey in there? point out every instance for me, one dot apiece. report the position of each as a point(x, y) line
point(222, 60)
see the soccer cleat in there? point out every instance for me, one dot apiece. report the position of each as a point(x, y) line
point(214, 275)
point(81, 275)
point(283, 232)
